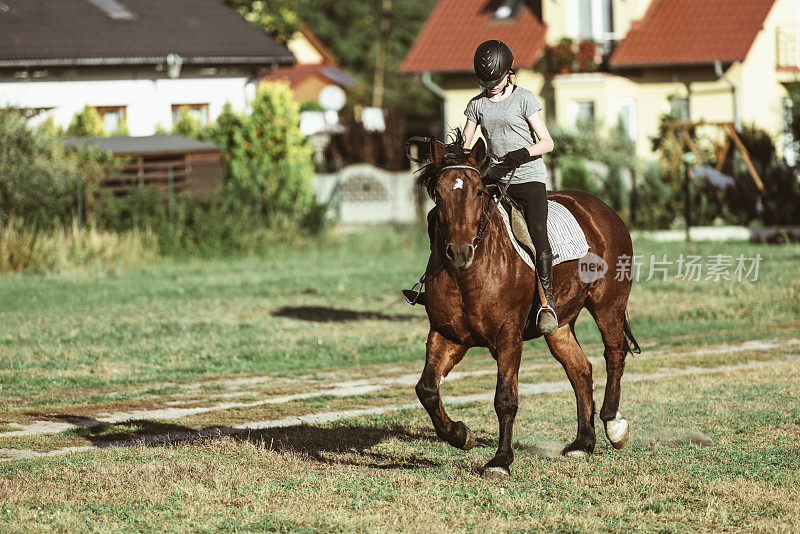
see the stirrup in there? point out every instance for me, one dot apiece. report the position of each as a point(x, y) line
point(417, 292)
point(549, 308)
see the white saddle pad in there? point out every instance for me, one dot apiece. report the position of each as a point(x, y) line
point(567, 239)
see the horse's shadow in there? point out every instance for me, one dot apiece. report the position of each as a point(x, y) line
point(342, 444)
point(325, 314)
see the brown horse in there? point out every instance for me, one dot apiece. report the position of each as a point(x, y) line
point(479, 294)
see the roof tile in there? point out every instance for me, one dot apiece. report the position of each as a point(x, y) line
point(674, 32)
point(455, 28)
point(40, 32)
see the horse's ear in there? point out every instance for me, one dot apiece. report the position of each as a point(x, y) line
point(437, 151)
point(478, 152)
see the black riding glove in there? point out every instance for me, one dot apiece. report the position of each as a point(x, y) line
point(515, 158)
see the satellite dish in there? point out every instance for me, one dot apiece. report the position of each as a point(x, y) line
point(332, 98)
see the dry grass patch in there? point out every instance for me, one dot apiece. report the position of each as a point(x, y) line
point(390, 472)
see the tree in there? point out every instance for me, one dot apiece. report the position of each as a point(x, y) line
point(267, 157)
point(351, 30)
point(575, 175)
point(657, 209)
point(39, 174)
point(274, 17)
point(189, 125)
point(87, 123)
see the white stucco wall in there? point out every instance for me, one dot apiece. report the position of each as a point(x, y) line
point(147, 95)
point(392, 197)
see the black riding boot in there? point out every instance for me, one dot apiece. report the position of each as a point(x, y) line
point(413, 296)
point(546, 319)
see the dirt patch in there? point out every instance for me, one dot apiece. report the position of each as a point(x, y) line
point(327, 417)
point(87, 416)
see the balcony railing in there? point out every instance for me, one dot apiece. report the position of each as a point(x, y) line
point(584, 55)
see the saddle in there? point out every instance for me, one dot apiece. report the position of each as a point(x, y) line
point(516, 214)
point(567, 239)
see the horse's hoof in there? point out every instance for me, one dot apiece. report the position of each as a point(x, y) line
point(464, 438)
point(577, 453)
point(470, 442)
point(579, 448)
point(495, 473)
point(618, 432)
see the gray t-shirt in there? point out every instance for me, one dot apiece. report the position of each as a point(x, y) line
point(505, 127)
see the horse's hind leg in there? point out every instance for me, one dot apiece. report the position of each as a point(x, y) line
point(442, 355)
point(566, 350)
point(610, 322)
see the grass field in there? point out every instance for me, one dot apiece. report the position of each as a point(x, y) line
point(201, 370)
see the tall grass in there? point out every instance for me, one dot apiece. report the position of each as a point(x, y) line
point(23, 248)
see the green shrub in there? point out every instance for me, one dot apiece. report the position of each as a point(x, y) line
point(614, 192)
point(188, 125)
point(575, 175)
point(267, 196)
point(310, 105)
point(39, 175)
point(655, 207)
point(87, 123)
point(122, 129)
point(204, 225)
point(268, 156)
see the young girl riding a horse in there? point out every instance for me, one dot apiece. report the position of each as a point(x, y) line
point(509, 116)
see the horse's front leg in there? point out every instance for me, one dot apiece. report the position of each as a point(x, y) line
point(508, 354)
point(442, 355)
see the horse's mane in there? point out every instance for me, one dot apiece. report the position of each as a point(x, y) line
point(454, 154)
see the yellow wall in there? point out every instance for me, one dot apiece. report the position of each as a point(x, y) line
point(303, 50)
point(557, 15)
point(761, 91)
point(309, 89)
point(710, 98)
point(626, 12)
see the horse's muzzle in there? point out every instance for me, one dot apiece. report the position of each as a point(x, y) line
point(460, 255)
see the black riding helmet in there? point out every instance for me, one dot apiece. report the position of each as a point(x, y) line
point(493, 60)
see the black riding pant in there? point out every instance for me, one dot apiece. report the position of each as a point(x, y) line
point(533, 197)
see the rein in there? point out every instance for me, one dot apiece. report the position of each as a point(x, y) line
point(484, 223)
point(485, 215)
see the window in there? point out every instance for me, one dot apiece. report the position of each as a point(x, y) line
point(507, 9)
point(583, 111)
point(592, 19)
point(114, 118)
point(680, 106)
point(627, 114)
point(198, 112)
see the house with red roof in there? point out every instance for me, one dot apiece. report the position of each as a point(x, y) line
point(629, 60)
point(139, 63)
point(315, 69)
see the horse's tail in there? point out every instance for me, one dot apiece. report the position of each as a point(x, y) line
point(629, 339)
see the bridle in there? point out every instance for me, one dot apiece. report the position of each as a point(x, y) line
point(486, 215)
